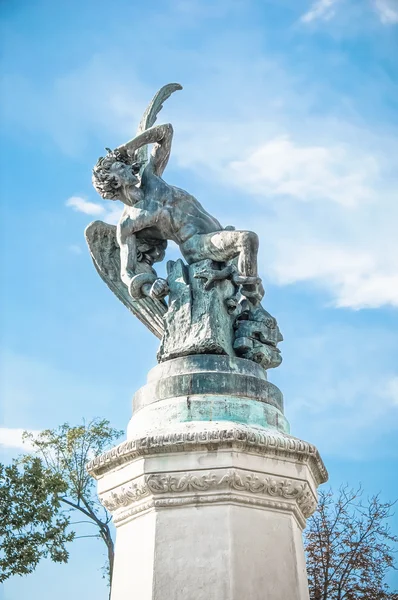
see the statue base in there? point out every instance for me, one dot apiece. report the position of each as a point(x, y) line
point(209, 497)
point(206, 387)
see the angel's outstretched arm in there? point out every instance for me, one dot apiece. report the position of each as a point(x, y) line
point(161, 150)
point(161, 136)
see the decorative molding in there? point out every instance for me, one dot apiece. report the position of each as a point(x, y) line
point(231, 498)
point(240, 437)
point(290, 494)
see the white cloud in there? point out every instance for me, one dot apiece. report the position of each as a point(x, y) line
point(308, 173)
point(344, 240)
point(387, 11)
point(321, 9)
point(325, 10)
point(331, 206)
point(355, 278)
point(324, 189)
point(81, 205)
point(331, 218)
point(370, 290)
point(110, 214)
point(114, 212)
point(12, 438)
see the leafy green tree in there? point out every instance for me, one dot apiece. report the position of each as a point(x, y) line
point(32, 525)
point(349, 547)
point(65, 452)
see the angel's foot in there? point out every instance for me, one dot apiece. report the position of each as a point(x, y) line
point(245, 280)
point(212, 275)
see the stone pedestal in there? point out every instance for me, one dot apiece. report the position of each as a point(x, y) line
point(209, 493)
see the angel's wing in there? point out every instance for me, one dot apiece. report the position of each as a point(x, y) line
point(105, 252)
point(150, 115)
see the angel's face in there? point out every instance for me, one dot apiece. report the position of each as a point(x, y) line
point(155, 254)
point(124, 174)
point(127, 182)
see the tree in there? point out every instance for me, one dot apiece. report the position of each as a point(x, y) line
point(349, 547)
point(32, 526)
point(64, 453)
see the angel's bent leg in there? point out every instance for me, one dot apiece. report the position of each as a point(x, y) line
point(247, 261)
point(222, 246)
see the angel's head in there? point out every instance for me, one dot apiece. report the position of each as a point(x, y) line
point(150, 250)
point(115, 177)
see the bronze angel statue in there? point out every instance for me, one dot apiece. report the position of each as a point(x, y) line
point(156, 212)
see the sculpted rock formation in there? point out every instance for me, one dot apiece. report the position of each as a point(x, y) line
point(209, 304)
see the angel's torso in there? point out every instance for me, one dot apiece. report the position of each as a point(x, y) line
point(167, 212)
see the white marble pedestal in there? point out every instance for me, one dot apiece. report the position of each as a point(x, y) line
point(208, 510)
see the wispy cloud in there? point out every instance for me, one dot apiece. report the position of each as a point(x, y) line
point(12, 438)
point(330, 211)
point(309, 173)
point(387, 11)
point(355, 279)
point(330, 207)
point(81, 205)
point(321, 9)
point(325, 10)
point(111, 214)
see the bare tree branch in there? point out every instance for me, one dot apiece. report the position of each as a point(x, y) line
point(350, 547)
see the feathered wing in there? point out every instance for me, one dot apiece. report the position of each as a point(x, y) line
point(105, 252)
point(103, 246)
point(150, 115)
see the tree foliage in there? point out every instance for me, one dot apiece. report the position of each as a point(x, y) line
point(65, 452)
point(32, 525)
point(349, 547)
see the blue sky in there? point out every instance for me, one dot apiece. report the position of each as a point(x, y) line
point(287, 125)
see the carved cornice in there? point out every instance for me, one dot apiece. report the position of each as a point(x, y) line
point(221, 498)
point(215, 437)
point(160, 490)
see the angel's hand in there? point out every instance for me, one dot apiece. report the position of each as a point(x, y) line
point(159, 289)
